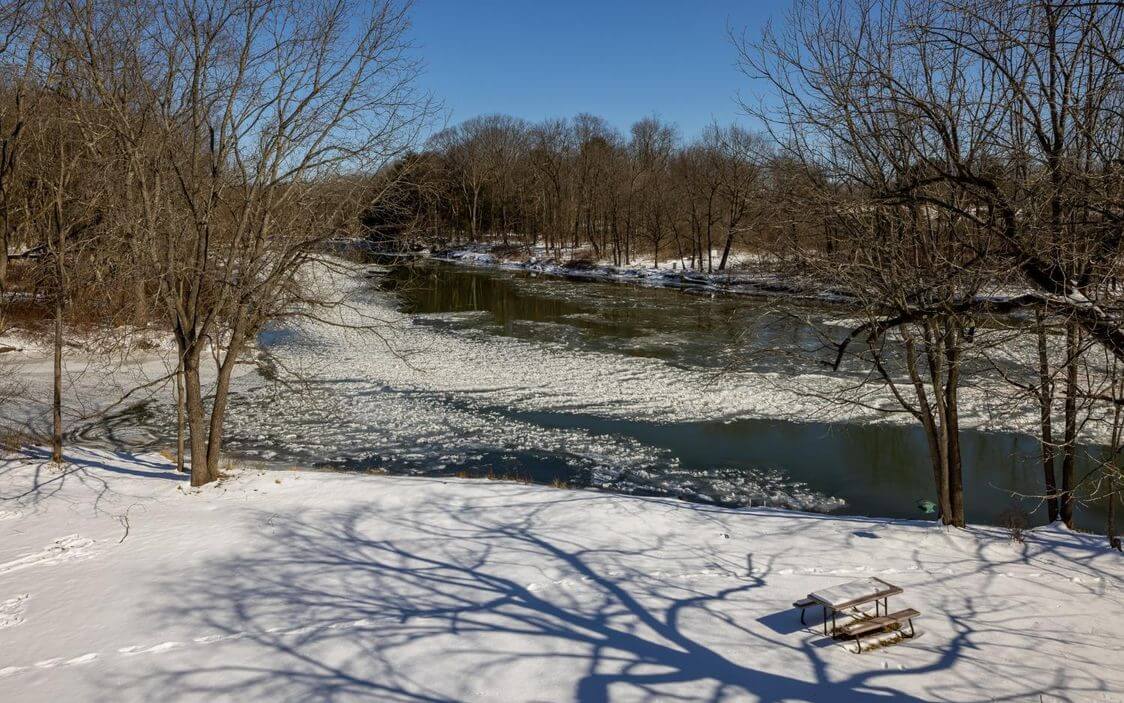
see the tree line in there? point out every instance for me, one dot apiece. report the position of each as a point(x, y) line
point(578, 183)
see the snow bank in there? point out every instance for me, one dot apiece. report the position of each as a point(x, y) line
point(673, 273)
point(118, 582)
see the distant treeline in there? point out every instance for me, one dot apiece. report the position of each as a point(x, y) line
point(580, 183)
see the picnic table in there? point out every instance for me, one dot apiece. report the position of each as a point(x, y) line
point(852, 595)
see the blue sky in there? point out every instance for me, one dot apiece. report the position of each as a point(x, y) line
point(621, 59)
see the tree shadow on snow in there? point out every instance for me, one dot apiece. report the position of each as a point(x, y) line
point(79, 466)
point(325, 608)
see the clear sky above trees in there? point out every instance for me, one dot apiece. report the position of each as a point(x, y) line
point(621, 59)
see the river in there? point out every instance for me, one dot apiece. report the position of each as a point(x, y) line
point(556, 381)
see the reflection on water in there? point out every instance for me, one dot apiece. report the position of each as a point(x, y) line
point(879, 470)
point(684, 327)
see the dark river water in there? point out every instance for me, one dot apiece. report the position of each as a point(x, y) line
point(688, 328)
point(878, 470)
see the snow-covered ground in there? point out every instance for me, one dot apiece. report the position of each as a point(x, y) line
point(120, 583)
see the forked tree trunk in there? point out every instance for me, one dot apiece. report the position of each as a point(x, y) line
point(935, 357)
point(205, 429)
point(934, 434)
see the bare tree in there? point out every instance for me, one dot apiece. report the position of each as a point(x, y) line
point(998, 120)
point(242, 123)
point(20, 39)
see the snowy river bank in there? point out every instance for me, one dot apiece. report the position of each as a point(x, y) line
point(118, 582)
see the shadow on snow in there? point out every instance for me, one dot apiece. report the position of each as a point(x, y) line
point(321, 609)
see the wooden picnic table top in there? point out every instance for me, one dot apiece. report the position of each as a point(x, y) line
point(854, 593)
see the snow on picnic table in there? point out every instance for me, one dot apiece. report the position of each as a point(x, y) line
point(119, 582)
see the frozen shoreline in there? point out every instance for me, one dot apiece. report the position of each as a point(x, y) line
point(122, 582)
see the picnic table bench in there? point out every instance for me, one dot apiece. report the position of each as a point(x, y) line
point(848, 597)
point(858, 628)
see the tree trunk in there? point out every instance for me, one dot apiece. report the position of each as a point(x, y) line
point(726, 249)
point(218, 407)
point(709, 244)
point(729, 241)
point(1045, 404)
point(1069, 458)
point(56, 398)
point(60, 301)
point(1110, 523)
point(952, 424)
point(200, 474)
point(4, 253)
point(473, 213)
point(181, 418)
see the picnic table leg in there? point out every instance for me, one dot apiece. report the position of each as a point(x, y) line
point(833, 613)
point(825, 621)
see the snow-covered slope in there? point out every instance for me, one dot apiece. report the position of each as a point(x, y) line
point(118, 582)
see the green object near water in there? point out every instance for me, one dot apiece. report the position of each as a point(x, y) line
point(927, 506)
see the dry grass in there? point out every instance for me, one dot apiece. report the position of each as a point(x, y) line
point(14, 440)
point(1015, 521)
point(227, 466)
point(491, 475)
